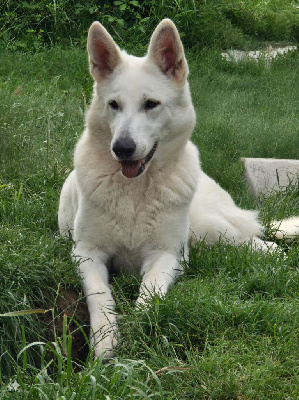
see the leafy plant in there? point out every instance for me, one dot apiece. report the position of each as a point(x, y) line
point(218, 23)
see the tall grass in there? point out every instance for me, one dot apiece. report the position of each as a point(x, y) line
point(228, 329)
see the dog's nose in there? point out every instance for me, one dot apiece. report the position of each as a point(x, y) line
point(124, 148)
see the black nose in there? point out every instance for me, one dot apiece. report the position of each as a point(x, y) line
point(124, 148)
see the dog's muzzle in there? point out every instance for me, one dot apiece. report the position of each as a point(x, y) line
point(133, 168)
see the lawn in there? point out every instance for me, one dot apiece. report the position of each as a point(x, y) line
point(228, 329)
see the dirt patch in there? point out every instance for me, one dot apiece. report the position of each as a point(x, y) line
point(69, 309)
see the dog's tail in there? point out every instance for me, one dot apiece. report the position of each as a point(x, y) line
point(287, 229)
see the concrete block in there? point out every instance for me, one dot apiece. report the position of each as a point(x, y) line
point(267, 54)
point(267, 175)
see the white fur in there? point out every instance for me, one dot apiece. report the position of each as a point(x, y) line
point(288, 229)
point(141, 223)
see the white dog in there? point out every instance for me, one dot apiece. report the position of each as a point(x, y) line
point(137, 190)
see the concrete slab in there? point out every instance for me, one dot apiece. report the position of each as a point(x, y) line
point(266, 54)
point(266, 175)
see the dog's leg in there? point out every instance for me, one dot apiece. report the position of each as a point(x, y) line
point(158, 276)
point(95, 282)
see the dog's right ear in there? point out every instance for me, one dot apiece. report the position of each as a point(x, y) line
point(104, 55)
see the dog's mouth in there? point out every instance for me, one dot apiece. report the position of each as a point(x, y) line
point(133, 168)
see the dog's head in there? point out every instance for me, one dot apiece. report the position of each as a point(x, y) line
point(145, 101)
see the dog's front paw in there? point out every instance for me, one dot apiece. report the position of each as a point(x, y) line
point(103, 346)
point(143, 302)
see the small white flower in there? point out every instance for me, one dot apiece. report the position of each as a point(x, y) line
point(13, 387)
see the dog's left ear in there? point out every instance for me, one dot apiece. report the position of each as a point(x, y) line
point(167, 52)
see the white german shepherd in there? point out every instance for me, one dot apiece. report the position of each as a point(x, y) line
point(137, 190)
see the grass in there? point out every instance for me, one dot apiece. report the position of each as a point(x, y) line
point(228, 329)
point(257, 118)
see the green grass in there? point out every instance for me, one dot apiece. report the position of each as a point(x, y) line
point(229, 328)
point(244, 110)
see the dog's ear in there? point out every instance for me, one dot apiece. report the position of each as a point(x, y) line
point(104, 55)
point(167, 51)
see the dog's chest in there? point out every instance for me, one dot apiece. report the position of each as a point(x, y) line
point(134, 212)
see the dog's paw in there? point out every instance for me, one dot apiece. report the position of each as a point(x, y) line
point(105, 354)
point(143, 302)
point(103, 346)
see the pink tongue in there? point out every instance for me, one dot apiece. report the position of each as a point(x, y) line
point(130, 168)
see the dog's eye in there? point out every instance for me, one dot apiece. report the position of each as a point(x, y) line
point(113, 104)
point(151, 104)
